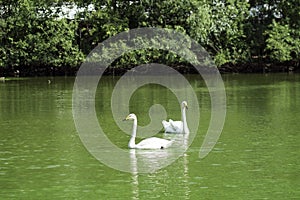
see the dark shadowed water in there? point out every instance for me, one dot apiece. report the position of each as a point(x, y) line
point(256, 157)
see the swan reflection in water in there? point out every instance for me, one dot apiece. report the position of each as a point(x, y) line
point(152, 161)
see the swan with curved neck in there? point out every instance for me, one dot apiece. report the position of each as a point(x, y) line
point(177, 126)
point(149, 143)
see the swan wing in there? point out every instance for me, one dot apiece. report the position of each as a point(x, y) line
point(177, 126)
point(172, 126)
point(154, 143)
point(167, 126)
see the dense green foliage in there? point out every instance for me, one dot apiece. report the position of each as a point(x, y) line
point(31, 36)
point(42, 34)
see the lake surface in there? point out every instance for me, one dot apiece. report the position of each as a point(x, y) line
point(256, 156)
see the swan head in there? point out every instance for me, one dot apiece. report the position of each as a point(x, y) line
point(184, 104)
point(131, 117)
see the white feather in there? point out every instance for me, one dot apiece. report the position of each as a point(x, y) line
point(149, 143)
point(177, 126)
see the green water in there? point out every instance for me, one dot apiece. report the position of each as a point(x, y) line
point(256, 157)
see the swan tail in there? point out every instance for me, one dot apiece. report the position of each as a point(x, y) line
point(165, 124)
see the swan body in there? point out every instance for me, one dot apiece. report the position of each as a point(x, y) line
point(177, 126)
point(152, 143)
point(149, 143)
point(172, 126)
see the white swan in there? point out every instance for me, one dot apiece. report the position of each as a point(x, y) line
point(149, 143)
point(177, 126)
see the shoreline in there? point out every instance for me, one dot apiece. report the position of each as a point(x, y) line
point(246, 68)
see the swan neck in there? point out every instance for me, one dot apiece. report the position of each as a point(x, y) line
point(131, 143)
point(183, 119)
